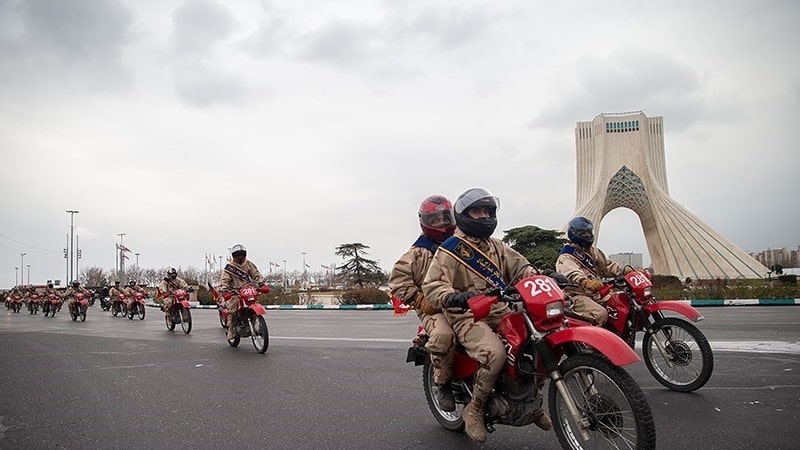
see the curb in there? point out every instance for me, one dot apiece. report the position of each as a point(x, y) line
point(699, 303)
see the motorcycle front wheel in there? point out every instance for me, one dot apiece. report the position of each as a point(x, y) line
point(689, 360)
point(222, 321)
point(450, 420)
point(612, 408)
point(83, 313)
point(140, 308)
point(168, 322)
point(261, 333)
point(186, 320)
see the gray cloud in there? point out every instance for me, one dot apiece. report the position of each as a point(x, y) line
point(630, 80)
point(199, 85)
point(199, 25)
point(77, 39)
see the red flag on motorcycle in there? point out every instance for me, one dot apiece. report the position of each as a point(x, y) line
point(400, 308)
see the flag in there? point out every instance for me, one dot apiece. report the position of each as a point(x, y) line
point(122, 248)
point(400, 308)
point(308, 265)
point(208, 261)
point(124, 256)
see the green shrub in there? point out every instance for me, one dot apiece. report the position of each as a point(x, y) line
point(204, 296)
point(279, 296)
point(788, 280)
point(365, 296)
point(666, 281)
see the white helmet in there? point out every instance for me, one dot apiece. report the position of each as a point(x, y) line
point(238, 248)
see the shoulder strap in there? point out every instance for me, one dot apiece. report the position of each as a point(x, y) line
point(584, 258)
point(237, 272)
point(426, 243)
point(474, 259)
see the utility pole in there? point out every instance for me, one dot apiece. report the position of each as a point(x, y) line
point(22, 267)
point(72, 213)
point(121, 256)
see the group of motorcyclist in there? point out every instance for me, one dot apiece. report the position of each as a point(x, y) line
point(33, 297)
point(454, 259)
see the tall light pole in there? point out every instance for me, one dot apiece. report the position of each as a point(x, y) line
point(121, 256)
point(72, 213)
point(16, 276)
point(137, 261)
point(21, 267)
point(284, 273)
point(29, 274)
point(304, 266)
point(77, 257)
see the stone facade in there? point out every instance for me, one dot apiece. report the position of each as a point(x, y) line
point(620, 164)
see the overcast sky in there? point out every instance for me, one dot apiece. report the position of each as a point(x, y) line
point(296, 126)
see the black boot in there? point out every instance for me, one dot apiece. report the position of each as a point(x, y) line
point(444, 395)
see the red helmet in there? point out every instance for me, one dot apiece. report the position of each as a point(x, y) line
point(436, 218)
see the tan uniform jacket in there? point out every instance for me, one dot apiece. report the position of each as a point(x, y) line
point(576, 272)
point(131, 291)
point(71, 292)
point(166, 287)
point(230, 282)
point(115, 291)
point(407, 276)
point(447, 275)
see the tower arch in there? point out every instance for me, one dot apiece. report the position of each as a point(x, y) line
point(621, 164)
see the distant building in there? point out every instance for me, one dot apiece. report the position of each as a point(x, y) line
point(627, 259)
point(781, 256)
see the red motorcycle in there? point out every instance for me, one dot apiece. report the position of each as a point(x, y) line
point(137, 306)
point(179, 311)
point(16, 303)
point(118, 305)
point(675, 352)
point(250, 319)
point(33, 304)
point(78, 309)
point(592, 400)
point(51, 305)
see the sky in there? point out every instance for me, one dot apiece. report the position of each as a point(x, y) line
point(296, 126)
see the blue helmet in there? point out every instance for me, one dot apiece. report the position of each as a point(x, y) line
point(581, 231)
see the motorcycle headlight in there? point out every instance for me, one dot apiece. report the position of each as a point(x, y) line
point(648, 292)
point(554, 309)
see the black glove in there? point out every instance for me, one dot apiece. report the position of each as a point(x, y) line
point(190, 290)
point(458, 300)
point(560, 278)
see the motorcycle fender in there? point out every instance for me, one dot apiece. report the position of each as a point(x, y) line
point(258, 308)
point(602, 340)
point(185, 304)
point(687, 311)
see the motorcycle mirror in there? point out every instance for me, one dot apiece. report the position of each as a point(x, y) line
point(264, 289)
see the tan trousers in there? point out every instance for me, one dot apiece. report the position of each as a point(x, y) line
point(484, 346)
point(441, 344)
point(590, 309)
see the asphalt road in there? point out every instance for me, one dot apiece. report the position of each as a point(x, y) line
point(337, 379)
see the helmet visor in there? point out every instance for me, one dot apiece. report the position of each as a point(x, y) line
point(438, 219)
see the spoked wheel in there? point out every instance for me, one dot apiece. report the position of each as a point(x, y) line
point(83, 313)
point(115, 310)
point(74, 315)
point(450, 420)
point(261, 333)
point(222, 321)
point(186, 320)
point(140, 308)
point(689, 360)
point(613, 411)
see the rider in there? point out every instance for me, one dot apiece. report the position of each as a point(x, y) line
point(238, 272)
point(72, 292)
point(169, 284)
point(451, 280)
point(437, 222)
point(51, 290)
point(114, 292)
point(584, 265)
point(130, 293)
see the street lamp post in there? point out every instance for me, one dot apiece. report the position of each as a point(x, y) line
point(16, 276)
point(72, 213)
point(121, 256)
point(21, 267)
point(137, 261)
point(304, 266)
point(29, 274)
point(284, 273)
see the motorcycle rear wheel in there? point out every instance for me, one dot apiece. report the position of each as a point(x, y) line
point(691, 356)
point(450, 420)
point(608, 399)
point(186, 320)
point(261, 336)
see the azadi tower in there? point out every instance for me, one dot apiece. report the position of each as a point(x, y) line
point(620, 159)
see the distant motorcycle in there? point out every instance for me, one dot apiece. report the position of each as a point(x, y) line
point(137, 306)
point(105, 303)
point(78, 309)
point(675, 352)
point(179, 312)
point(118, 305)
point(33, 304)
point(51, 305)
